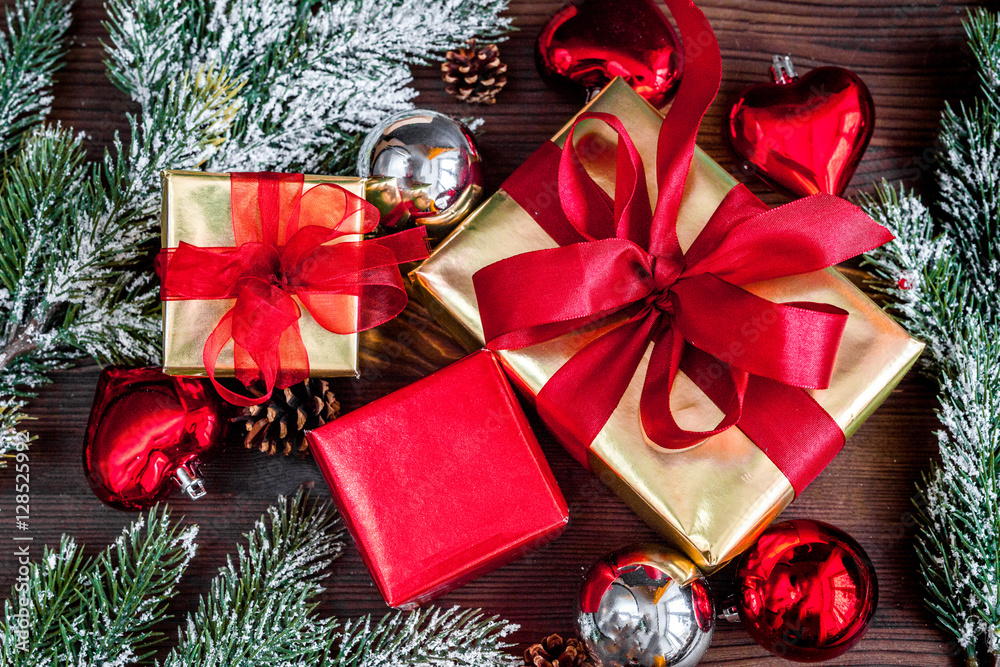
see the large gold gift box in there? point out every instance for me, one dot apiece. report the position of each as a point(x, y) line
point(197, 210)
point(711, 500)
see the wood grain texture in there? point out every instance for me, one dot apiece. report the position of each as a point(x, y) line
point(910, 53)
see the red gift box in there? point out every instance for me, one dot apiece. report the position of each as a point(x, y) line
point(441, 482)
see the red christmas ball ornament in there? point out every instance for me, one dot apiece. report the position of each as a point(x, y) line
point(586, 45)
point(146, 435)
point(808, 591)
point(806, 134)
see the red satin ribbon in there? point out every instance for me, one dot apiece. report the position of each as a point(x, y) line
point(281, 253)
point(751, 357)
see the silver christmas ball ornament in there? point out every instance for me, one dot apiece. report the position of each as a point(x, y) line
point(646, 606)
point(425, 166)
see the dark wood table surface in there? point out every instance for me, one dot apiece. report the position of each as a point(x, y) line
point(912, 55)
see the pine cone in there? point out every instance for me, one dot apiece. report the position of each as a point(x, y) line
point(474, 74)
point(281, 423)
point(554, 651)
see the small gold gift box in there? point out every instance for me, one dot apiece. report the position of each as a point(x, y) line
point(197, 210)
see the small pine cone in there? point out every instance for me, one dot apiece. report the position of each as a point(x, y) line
point(474, 74)
point(280, 424)
point(554, 651)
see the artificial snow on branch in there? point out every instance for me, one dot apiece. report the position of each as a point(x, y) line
point(29, 55)
point(68, 609)
point(315, 74)
point(942, 274)
point(435, 638)
point(73, 237)
point(30, 50)
point(228, 86)
point(260, 609)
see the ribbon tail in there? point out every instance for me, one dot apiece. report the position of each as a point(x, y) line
point(264, 327)
point(675, 145)
point(722, 383)
point(580, 397)
point(292, 359)
point(217, 340)
point(802, 442)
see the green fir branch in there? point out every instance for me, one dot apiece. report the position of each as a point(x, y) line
point(39, 200)
point(29, 56)
point(30, 53)
point(432, 637)
point(129, 587)
point(68, 609)
point(941, 272)
point(118, 318)
point(261, 609)
point(74, 237)
point(233, 86)
point(316, 73)
point(45, 593)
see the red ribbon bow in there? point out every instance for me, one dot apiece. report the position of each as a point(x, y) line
point(751, 357)
point(281, 254)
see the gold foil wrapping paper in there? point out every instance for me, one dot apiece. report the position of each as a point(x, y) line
point(197, 210)
point(713, 499)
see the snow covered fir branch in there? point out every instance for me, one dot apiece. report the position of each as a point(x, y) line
point(219, 86)
point(30, 52)
point(315, 74)
point(941, 274)
point(434, 637)
point(69, 609)
point(261, 609)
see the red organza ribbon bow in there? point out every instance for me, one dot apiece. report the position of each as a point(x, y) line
point(283, 253)
point(750, 356)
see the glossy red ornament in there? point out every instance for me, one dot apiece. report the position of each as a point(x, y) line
point(803, 135)
point(808, 591)
point(146, 435)
point(588, 44)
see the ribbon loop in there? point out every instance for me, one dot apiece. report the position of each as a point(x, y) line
point(290, 247)
point(793, 344)
point(588, 207)
point(723, 384)
point(595, 280)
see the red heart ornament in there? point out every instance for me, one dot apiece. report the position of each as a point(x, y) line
point(147, 433)
point(588, 44)
point(803, 135)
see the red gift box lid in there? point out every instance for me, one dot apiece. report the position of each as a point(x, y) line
point(441, 481)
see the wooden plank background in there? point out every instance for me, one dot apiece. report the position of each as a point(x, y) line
point(910, 53)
